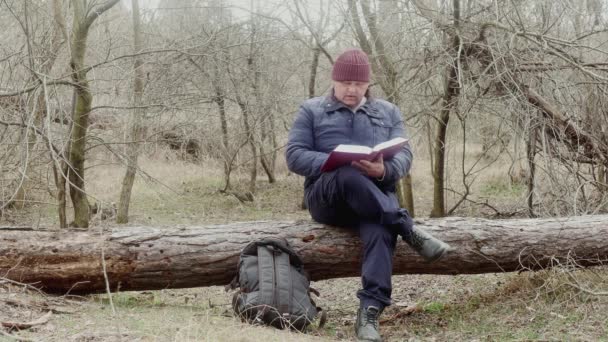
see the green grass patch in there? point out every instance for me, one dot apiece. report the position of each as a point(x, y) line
point(132, 299)
point(502, 188)
point(434, 307)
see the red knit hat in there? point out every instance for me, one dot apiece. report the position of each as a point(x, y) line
point(351, 65)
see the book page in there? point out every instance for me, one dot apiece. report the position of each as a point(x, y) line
point(353, 149)
point(392, 142)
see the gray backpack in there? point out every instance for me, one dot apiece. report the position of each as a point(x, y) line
point(273, 287)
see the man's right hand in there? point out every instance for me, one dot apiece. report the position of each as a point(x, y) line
point(374, 168)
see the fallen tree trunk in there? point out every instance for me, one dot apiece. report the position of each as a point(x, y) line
point(146, 258)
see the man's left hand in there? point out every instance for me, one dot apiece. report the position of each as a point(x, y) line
point(374, 168)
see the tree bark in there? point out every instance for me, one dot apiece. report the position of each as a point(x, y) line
point(531, 153)
point(136, 124)
point(449, 99)
point(253, 172)
point(60, 169)
point(451, 93)
point(406, 200)
point(312, 79)
point(78, 46)
point(150, 258)
point(220, 100)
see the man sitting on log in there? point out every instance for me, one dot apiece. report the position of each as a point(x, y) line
point(360, 195)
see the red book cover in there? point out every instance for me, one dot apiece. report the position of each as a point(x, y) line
point(345, 154)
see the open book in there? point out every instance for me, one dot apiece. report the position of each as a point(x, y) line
point(345, 154)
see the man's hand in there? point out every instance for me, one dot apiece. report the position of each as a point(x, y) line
point(374, 168)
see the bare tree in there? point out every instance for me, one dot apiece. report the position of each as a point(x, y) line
point(480, 82)
point(136, 124)
point(42, 51)
point(84, 14)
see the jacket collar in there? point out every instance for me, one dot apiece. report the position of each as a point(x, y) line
point(331, 104)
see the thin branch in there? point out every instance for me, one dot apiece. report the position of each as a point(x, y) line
point(34, 87)
point(97, 11)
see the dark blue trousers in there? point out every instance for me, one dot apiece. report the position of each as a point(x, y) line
point(348, 198)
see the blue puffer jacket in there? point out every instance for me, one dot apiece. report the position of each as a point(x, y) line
point(324, 122)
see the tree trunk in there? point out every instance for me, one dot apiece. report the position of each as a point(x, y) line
point(531, 152)
point(122, 215)
point(438, 209)
point(267, 159)
point(253, 171)
point(78, 46)
point(312, 79)
point(269, 132)
point(602, 172)
point(267, 165)
point(274, 143)
point(220, 100)
point(405, 193)
point(59, 171)
point(80, 120)
point(150, 258)
point(247, 108)
point(452, 90)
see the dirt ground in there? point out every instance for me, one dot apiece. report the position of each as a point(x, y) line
point(507, 307)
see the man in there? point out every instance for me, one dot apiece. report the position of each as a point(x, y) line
point(360, 195)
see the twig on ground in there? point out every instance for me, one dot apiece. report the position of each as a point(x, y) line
point(28, 286)
point(402, 313)
point(18, 325)
point(591, 292)
point(577, 285)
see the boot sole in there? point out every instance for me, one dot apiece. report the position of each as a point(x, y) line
point(367, 339)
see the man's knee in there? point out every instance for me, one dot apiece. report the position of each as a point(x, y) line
point(349, 178)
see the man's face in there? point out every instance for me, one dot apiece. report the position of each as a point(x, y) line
point(350, 92)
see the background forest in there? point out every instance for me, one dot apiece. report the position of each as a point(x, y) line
point(166, 112)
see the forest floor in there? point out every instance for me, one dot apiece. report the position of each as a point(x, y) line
point(562, 303)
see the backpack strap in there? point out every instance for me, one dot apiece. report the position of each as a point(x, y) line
point(266, 275)
point(323, 318)
point(234, 283)
point(284, 288)
point(283, 245)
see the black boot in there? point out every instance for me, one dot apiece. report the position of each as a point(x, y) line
point(429, 247)
point(366, 327)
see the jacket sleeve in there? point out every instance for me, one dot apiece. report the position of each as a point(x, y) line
point(300, 154)
point(398, 166)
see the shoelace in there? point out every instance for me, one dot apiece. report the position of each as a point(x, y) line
point(371, 317)
point(415, 240)
point(418, 240)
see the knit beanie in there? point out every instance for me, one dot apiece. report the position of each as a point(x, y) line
point(351, 65)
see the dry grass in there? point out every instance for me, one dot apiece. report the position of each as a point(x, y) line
point(163, 316)
point(505, 307)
